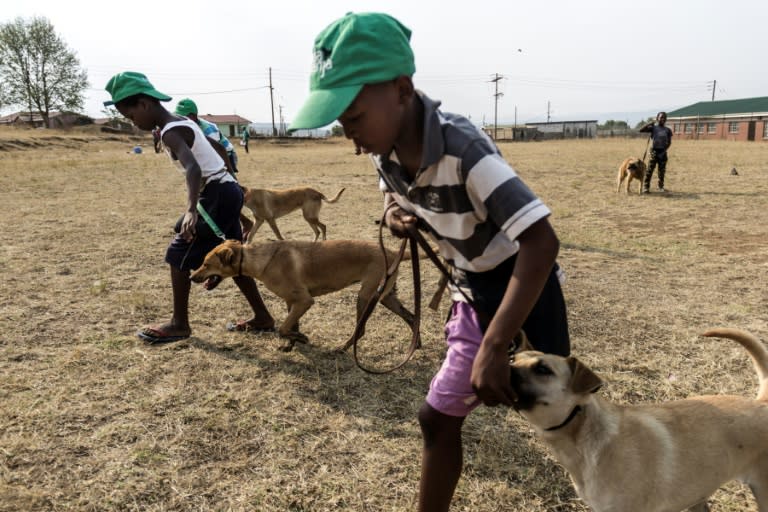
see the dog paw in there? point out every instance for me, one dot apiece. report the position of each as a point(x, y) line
point(286, 347)
point(291, 339)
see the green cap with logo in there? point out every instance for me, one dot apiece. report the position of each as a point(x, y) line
point(130, 83)
point(186, 107)
point(353, 51)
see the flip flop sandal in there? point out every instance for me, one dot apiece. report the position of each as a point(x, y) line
point(153, 335)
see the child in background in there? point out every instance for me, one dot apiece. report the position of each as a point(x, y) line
point(489, 226)
point(208, 185)
point(188, 108)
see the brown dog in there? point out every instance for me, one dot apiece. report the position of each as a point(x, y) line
point(268, 205)
point(658, 457)
point(298, 271)
point(631, 168)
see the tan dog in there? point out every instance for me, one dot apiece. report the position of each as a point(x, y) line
point(631, 168)
point(652, 458)
point(268, 205)
point(298, 271)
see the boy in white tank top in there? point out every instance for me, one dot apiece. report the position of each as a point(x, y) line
point(207, 182)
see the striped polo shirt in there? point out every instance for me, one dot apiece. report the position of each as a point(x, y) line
point(472, 201)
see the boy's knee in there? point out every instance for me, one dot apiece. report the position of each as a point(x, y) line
point(435, 425)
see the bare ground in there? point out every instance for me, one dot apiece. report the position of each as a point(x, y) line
point(93, 419)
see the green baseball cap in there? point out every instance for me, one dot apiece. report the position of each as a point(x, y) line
point(131, 83)
point(186, 107)
point(353, 51)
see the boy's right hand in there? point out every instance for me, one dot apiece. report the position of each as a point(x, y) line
point(400, 221)
point(188, 226)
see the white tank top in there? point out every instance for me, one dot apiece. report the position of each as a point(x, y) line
point(211, 164)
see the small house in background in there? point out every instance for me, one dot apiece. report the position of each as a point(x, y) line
point(566, 129)
point(544, 131)
point(231, 125)
point(55, 120)
point(744, 119)
point(115, 125)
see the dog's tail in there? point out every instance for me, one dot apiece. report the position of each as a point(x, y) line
point(756, 350)
point(335, 198)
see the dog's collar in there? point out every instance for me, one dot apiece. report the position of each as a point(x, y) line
point(576, 410)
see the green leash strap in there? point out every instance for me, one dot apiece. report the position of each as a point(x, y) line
point(209, 220)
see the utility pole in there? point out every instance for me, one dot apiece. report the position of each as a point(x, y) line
point(496, 96)
point(714, 84)
point(547, 111)
point(272, 103)
point(280, 120)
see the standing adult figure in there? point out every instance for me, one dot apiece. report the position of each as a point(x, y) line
point(661, 139)
point(245, 136)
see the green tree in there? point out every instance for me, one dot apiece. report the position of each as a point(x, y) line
point(37, 70)
point(337, 131)
point(643, 123)
point(613, 125)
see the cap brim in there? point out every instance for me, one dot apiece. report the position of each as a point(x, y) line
point(153, 93)
point(323, 107)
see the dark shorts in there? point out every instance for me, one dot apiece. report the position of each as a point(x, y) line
point(546, 326)
point(223, 202)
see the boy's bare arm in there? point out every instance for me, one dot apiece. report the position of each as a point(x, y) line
point(175, 140)
point(490, 372)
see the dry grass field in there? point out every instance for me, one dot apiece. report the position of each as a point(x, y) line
point(92, 419)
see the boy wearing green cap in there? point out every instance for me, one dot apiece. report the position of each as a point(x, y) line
point(188, 108)
point(490, 227)
point(211, 190)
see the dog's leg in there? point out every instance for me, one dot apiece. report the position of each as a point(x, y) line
point(296, 309)
point(322, 228)
point(619, 179)
point(246, 225)
point(362, 301)
point(254, 229)
point(392, 303)
point(758, 483)
point(313, 225)
point(276, 231)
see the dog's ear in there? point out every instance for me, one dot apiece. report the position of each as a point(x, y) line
point(583, 380)
point(226, 256)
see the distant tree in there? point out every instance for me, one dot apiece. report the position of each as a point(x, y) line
point(37, 70)
point(337, 131)
point(643, 123)
point(613, 125)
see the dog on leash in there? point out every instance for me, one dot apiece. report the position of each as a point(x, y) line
point(268, 205)
point(631, 168)
point(298, 271)
point(664, 457)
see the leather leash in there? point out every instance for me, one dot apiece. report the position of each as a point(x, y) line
point(391, 272)
point(415, 240)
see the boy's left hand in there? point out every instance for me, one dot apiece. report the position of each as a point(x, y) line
point(490, 375)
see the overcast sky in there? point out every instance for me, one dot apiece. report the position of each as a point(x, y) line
point(588, 59)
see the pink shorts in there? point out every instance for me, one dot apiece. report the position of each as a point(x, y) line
point(450, 391)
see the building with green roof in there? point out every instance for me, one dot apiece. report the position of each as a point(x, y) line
point(743, 119)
